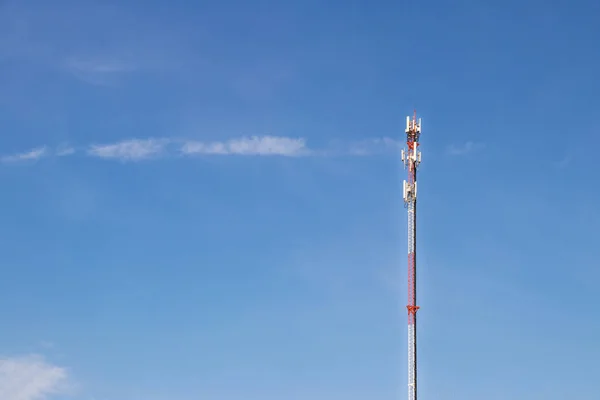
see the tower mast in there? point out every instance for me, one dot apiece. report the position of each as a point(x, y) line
point(412, 159)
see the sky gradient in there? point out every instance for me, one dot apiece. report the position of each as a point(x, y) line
point(202, 199)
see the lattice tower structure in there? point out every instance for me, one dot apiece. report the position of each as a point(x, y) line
point(412, 158)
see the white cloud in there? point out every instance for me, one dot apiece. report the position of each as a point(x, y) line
point(564, 162)
point(374, 146)
point(129, 150)
point(254, 145)
point(144, 149)
point(30, 378)
point(99, 66)
point(31, 155)
point(98, 71)
point(466, 148)
point(62, 151)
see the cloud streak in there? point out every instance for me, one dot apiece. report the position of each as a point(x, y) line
point(98, 66)
point(62, 151)
point(372, 147)
point(129, 150)
point(464, 149)
point(254, 145)
point(98, 71)
point(564, 162)
point(30, 378)
point(135, 150)
point(31, 155)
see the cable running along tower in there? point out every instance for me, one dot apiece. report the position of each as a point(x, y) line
point(412, 159)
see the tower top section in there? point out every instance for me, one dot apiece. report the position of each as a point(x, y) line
point(412, 157)
point(413, 130)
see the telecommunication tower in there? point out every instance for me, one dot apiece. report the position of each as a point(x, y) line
point(412, 158)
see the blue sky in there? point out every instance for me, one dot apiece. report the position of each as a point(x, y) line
point(202, 200)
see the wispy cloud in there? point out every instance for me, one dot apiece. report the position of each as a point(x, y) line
point(64, 150)
point(463, 149)
point(564, 162)
point(99, 66)
point(98, 71)
point(31, 155)
point(152, 148)
point(254, 145)
point(129, 150)
point(374, 146)
point(31, 378)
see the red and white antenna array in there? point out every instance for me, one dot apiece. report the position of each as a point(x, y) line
point(412, 158)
